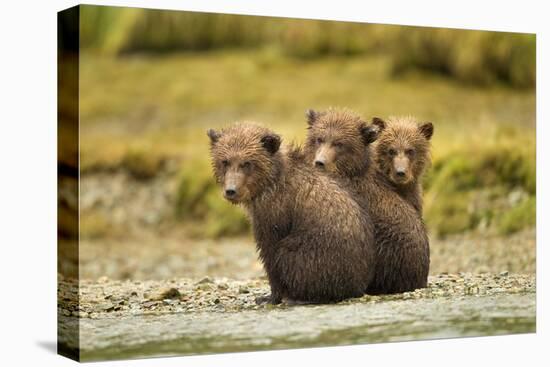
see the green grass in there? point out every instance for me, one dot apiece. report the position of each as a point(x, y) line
point(470, 56)
point(478, 57)
point(479, 185)
point(519, 217)
point(139, 111)
point(199, 201)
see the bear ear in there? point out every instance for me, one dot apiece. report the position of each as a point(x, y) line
point(312, 116)
point(368, 133)
point(379, 123)
point(427, 129)
point(271, 143)
point(213, 135)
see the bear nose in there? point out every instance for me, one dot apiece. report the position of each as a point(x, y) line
point(400, 173)
point(230, 193)
point(320, 164)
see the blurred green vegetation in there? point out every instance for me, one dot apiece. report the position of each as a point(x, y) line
point(478, 57)
point(492, 184)
point(471, 56)
point(140, 109)
point(199, 200)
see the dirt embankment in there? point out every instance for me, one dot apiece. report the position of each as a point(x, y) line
point(174, 255)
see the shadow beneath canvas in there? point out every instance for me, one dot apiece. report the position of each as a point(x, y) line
point(48, 345)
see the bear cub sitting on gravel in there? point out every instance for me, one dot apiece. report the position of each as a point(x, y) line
point(315, 241)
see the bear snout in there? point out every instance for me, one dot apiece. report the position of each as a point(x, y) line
point(230, 193)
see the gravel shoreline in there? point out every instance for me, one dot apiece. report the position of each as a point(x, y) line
point(106, 298)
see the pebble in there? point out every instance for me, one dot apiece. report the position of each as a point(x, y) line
point(149, 304)
point(171, 293)
point(204, 287)
point(205, 280)
point(108, 307)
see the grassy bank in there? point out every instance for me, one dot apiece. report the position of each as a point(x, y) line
point(470, 56)
point(483, 185)
point(139, 112)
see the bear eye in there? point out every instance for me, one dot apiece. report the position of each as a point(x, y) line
point(225, 163)
point(319, 140)
point(409, 152)
point(392, 152)
point(338, 145)
point(246, 165)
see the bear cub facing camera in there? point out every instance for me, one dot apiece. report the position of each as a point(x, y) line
point(314, 239)
point(402, 153)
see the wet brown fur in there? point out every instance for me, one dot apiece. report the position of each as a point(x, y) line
point(407, 140)
point(315, 241)
point(402, 260)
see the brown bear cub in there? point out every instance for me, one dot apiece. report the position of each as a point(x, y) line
point(315, 241)
point(338, 143)
point(402, 153)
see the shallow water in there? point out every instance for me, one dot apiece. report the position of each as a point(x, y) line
point(304, 326)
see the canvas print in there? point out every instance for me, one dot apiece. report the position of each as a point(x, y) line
point(232, 183)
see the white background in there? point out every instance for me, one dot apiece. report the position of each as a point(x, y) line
point(28, 182)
